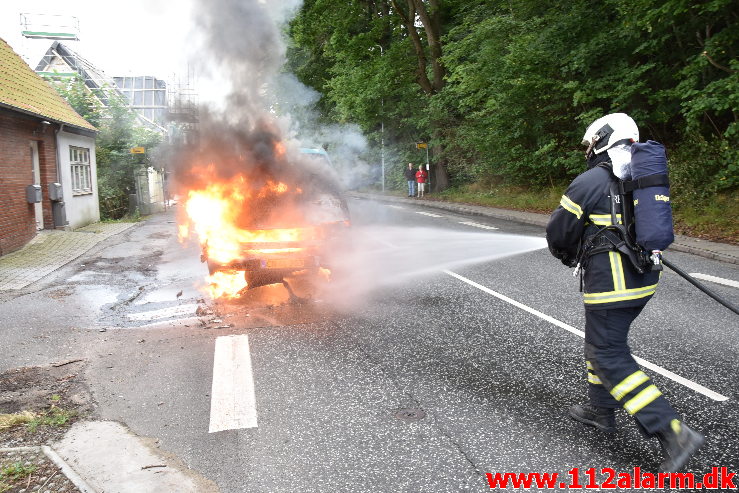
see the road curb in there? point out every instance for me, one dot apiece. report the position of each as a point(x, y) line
point(67, 470)
point(684, 244)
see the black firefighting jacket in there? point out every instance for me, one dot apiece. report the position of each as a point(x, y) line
point(609, 278)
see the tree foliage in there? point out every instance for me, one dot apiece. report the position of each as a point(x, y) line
point(504, 90)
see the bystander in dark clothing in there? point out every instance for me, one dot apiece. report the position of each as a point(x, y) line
point(410, 176)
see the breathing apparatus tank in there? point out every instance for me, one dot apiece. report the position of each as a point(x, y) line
point(651, 197)
point(641, 190)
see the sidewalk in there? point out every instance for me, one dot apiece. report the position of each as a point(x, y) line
point(709, 249)
point(50, 250)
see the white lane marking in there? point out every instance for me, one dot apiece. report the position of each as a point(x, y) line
point(655, 368)
point(477, 225)
point(164, 312)
point(233, 402)
point(397, 206)
point(717, 280)
point(430, 214)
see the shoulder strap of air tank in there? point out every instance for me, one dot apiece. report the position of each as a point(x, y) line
point(647, 181)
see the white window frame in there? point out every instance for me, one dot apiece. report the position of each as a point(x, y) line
point(79, 166)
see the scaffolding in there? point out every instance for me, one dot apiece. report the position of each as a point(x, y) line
point(50, 26)
point(182, 110)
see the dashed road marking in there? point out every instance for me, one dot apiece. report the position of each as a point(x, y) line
point(717, 280)
point(647, 364)
point(164, 312)
point(477, 225)
point(430, 214)
point(397, 206)
point(233, 400)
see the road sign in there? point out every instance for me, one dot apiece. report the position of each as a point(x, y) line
point(138, 150)
point(421, 145)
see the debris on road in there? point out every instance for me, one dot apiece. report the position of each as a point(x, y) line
point(65, 363)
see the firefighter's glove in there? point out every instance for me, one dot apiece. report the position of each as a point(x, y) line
point(569, 261)
point(564, 256)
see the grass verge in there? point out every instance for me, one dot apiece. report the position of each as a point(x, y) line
point(11, 474)
point(516, 198)
point(54, 416)
point(8, 421)
point(16, 471)
point(713, 219)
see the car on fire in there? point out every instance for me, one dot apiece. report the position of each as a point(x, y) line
point(270, 252)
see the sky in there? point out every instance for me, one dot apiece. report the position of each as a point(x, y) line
point(135, 37)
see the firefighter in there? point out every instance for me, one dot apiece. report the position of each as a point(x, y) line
point(614, 295)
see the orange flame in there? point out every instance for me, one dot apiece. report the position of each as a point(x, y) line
point(226, 284)
point(217, 213)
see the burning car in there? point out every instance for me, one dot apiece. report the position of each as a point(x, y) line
point(270, 254)
point(261, 227)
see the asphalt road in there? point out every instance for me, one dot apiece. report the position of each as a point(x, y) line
point(408, 379)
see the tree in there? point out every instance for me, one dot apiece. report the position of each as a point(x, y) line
point(367, 52)
point(84, 102)
point(504, 90)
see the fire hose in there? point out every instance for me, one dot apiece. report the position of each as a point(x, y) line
point(700, 286)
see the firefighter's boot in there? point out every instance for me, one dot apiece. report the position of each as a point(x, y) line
point(603, 418)
point(679, 443)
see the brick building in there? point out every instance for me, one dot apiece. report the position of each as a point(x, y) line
point(43, 141)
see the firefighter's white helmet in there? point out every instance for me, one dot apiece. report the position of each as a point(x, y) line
point(609, 131)
point(614, 134)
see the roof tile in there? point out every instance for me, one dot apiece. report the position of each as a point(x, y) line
point(21, 88)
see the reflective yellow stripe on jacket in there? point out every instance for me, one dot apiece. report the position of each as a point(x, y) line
point(619, 295)
point(603, 219)
point(571, 206)
point(617, 272)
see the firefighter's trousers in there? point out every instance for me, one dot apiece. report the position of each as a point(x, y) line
point(614, 378)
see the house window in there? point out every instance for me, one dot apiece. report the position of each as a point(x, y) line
point(79, 159)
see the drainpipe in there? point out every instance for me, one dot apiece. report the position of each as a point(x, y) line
point(58, 155)
point(58, 213)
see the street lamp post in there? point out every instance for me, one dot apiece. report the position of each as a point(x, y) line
point(382, 130)
point(382, 149)
point(427, 165)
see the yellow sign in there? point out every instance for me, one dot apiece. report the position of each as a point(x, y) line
point(421, 145)
point(138, 150)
